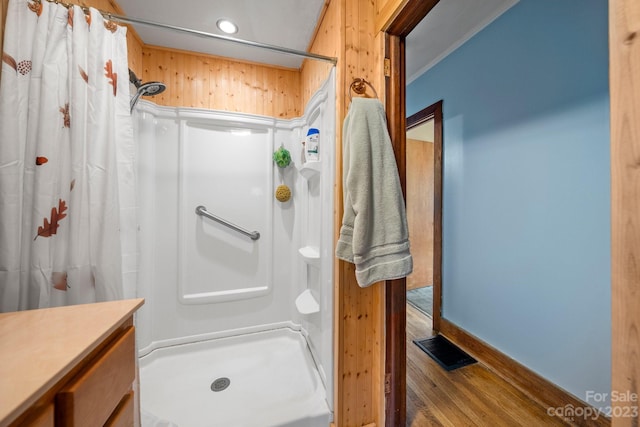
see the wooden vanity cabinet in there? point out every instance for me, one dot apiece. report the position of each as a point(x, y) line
point(99, 394)
point(95, 387)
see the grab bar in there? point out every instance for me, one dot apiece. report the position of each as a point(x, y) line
point(202, 211)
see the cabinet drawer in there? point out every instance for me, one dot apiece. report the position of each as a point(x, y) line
point(93, 395)
point(123, 415)
point(42, 417)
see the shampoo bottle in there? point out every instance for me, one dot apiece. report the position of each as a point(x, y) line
point(312, 145)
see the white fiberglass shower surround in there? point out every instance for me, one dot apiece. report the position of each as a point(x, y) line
point(235, 331)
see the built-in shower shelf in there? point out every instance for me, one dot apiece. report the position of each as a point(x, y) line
point(311, 169)
point(310, 254)
point(306, 303)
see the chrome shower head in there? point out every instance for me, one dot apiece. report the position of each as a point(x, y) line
point(144, 89)
point(152, 88)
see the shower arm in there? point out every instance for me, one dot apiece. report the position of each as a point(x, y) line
point(202, 211)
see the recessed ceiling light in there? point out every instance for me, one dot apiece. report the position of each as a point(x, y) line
point(227, 26)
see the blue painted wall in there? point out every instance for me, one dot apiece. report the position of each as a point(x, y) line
point(526, 215)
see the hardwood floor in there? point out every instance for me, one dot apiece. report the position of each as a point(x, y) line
point(468, 396)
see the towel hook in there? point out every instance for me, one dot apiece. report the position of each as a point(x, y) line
point(359, 86)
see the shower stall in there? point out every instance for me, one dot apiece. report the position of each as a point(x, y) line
point(237, 325)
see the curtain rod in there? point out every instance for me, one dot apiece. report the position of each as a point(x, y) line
point(286, 50)
point(130, 20)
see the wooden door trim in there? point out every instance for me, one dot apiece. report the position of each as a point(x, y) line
point(624, 89)
point(434, 111)
point(396, 290)
point(409, 16)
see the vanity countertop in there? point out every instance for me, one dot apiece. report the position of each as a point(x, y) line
point(39, 347)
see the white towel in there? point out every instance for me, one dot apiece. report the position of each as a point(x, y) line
point(374, 234)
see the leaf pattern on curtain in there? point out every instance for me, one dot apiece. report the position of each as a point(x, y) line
point(111, 26)
point(41, 160)
point(66, 118)
point(59, 280)
point(50, 226)
point(83, 74)
point(36, 7)
point(113, 77)
point(8, 59)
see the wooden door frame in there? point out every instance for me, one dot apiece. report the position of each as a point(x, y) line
point(434, 112)
point(395, 382)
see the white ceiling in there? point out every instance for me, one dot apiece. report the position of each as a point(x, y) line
point(290, 24)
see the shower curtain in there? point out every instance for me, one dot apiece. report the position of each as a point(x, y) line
point(66, 138)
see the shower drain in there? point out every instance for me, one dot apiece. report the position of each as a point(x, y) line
point(220, 384)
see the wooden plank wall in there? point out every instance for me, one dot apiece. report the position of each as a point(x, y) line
point(624, 87)
point(326, 42)
point(361, 310)
point(347, 32)
point(206, 81)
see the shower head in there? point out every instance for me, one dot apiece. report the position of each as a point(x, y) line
point(152, 88)
point(144, 89)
